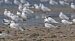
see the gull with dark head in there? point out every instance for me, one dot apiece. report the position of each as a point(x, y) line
point(6, 21)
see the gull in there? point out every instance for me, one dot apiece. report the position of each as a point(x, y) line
point(20, 7)
point(66, 22)
point(40, 5)
point(46, 19)
point(36, 6)
point(63, 2)
point(52, 2)
point(43, 8)
point(22, 1)
point(24, 15)
point(9, 14)
point(15, 26)
point(16, 2)
point(18, 13)
point(52, 20)
point(72, 6)
point(26, 5)
point(6, 21)
point(49, 25)
point(5, 12)
point(15, 18)
point(73, 20)
point(27, 10)
point(63, 16)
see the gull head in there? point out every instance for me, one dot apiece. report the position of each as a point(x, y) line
point(72, 3)
point(5, 9)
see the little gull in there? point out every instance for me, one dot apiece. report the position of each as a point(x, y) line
point(63, 16)
point(6, 21)
point(52, 20)
point(18, 13)
point(16, 26)
point(73, 20)
point(36, 6)
point(66, 22)
point(5, 12)
point(72, 6)
point(20, 7)
point(16, 18)
point(53, 2)
point(16, 2)
point(26, 5)
point(9, 14)
point(43, 8)
point(27, 10)
point(46, 19)
point(24, 15)
point(49, 25)
point(63, 3)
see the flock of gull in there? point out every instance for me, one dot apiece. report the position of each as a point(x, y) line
point(24, 11)
point(16, 20)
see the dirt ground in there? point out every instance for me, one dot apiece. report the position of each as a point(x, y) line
point(62, 33)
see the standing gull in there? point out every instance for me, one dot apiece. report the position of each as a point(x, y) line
point(73, 20)
point(72, 6)
point(36, 6)
point(26, 5)
point(20, 7)
point(63, 16)
point(15, 18)
point(24, 15)
point(18, 13)
point(63, 3)
point(5, 12)
point(51, 20)
point(52, 2)
point(27, 10)
point(16, 26)
point(16, 2)
point(43, 8)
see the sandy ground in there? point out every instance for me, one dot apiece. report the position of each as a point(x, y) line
point(62, 33)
